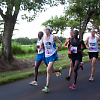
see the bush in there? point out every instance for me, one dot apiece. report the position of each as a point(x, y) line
point(30, 51)
point(98, 43)
point(29, 48)
point(16, 48)
point(26, 40)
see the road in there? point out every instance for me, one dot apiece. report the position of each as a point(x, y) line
point(59, 87)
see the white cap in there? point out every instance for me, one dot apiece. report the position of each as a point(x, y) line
point(48, 27)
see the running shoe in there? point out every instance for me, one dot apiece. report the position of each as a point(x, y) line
point(61, 72)
point(81, 66)
point(46, 89)
point(57, 74)
point(91, 79)
point(33, 83)
point(68, 78)
point(72, 87)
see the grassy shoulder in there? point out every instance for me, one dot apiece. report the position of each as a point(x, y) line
point(16, 75)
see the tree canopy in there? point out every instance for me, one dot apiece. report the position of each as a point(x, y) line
point(78, 14)
point(57, 24)
point(81, 12)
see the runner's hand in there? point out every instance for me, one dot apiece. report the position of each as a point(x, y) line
point(57, 48)
point(72, 51)
point(89, 48)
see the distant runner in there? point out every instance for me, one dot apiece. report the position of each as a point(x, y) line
point(93, 51)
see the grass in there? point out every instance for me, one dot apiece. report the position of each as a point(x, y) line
point(15, 75)
point(25, 56)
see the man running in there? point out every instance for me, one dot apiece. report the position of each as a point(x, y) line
point(77, 46)
point(69, 55)
point(93, 51)
point(50, 54)
point(39, 59)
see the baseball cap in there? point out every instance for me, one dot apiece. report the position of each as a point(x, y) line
point(48, 27)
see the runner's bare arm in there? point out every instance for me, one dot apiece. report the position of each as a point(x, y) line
point(86, 44)
point(98, 47)
point(98, 39)
point(83, 45)
point(41, 45)
point(57, 40)
point(66, 43)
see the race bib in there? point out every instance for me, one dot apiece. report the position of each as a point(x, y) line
point(74, 49)
point(92, 48)
point(49, 51)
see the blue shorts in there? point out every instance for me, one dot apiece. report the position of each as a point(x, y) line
point(52, 58)
point(41, 57)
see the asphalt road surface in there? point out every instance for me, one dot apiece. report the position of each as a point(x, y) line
point(59, 87)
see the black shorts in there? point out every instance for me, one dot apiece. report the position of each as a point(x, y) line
point(77, 57)
point(93, 54)
point(69, 55)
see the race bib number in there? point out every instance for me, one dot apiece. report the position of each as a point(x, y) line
point(48, 51)
point(92, 48)
point(74, 49)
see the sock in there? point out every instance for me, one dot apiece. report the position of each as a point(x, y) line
point(47, 86)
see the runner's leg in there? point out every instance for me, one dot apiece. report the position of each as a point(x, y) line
point(70, 71)
point(49, 71)
point(76, 67)
point(94, 60)
point(91, 61)
point(37, 64)
point(55, 70)
point(71, 68)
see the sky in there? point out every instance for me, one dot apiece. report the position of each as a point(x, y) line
point(31, 29)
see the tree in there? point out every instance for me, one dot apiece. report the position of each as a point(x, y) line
point(95, 20)
point(57, 24)
point(26, 41)
point(82, 11)
point(1, 23)
point(75, 14)
point(9, 14)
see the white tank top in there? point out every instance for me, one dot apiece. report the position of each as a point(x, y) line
point(38, 44)
point(49, 46)
point(93, 44)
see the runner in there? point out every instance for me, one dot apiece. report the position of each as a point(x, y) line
point(77, 46)
point(69, 55)
point(93, 51)
point(39, 59)
point(50, 54)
